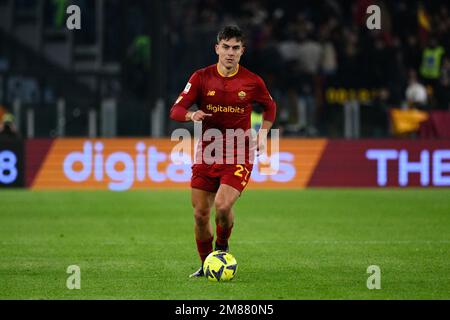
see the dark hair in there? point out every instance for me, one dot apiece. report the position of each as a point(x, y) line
point(229, 32)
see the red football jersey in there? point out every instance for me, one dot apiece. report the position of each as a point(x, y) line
point(228, 99)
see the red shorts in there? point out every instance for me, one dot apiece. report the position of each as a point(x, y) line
point(210, 177)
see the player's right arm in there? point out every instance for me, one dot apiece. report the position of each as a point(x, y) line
point(190, 95)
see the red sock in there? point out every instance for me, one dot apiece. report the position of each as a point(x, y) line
point(222, 235)
point(204, 247)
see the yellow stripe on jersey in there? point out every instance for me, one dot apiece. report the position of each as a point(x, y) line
point(234, 73)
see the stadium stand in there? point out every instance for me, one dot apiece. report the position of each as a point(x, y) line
point(318, 58)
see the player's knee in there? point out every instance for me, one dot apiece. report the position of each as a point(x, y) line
point(201, 216)
point(222, 207)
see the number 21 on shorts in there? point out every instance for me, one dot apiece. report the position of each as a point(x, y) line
point(240, 173)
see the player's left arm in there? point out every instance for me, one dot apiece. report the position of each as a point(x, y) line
point(270, 108)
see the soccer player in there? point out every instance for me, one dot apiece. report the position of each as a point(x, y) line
point(224, 93)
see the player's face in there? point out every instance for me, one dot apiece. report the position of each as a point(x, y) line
point(229, 52)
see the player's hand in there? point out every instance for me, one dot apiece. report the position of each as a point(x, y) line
point(199, 116)
point(261, 145)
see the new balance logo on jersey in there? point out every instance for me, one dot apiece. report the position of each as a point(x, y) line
point(211, 93)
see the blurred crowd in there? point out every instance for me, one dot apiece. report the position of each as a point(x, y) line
point(306, 51)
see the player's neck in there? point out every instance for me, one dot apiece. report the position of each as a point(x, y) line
point(224, 72)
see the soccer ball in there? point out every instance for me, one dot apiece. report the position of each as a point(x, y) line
point(220, 266)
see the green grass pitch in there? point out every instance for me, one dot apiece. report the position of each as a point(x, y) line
point(306, 244)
